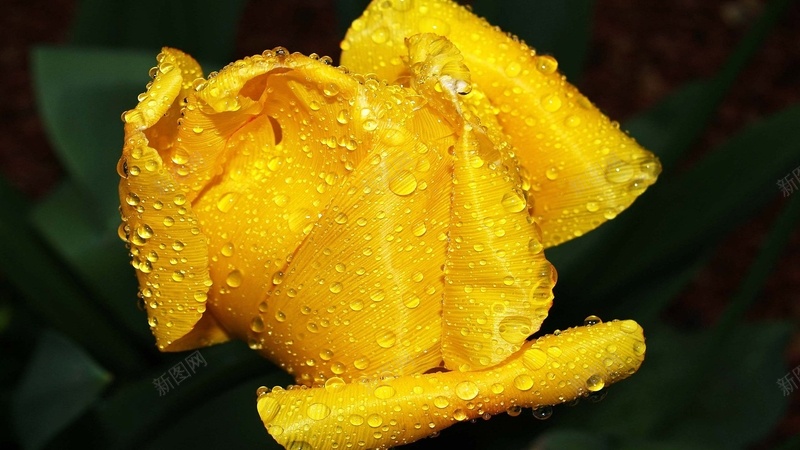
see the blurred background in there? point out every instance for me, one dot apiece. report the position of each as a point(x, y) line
point(708, 260)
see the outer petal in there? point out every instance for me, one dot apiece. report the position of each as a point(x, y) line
point(384, 413)
point(363, 292)
point(498, 284)
point(581, 169)
point(168, 249)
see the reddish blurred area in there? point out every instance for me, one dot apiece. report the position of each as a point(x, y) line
point(639, 52)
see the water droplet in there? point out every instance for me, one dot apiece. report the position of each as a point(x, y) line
point(268, 408)
point(386, 338)
point(335, 287)
point(592, 320)
point(514, 410)
point(440, 402)
point(180, 156)
point(234, 279)
point(420, 229)
point(497, 388)
point(356, 420)
point(639, 348)
point(572, 121)
point(535, 246)
point(403, 183)
point(318, 411)
point(551, 102)
point(380, 35)
point(132, 199)
point(523, 382)
point(466, 390)
point(384, 391)
point(619, 172)
point(277, 278)
point(178, 275)
point(434, 25)
point(411, 301)
point(508, 281)
point(595, 383)
point(361, 363)
point(543, 412)
point(257, 324)
point(280, 316)
point(628, 326)
point(513, 202)
point(514, 329)
point(144, 231)
point(374, 420)
point(546, 64)
point(356, 305)
point(227, 249)
point(551, 173)
point(459, 414)
point(338, 368)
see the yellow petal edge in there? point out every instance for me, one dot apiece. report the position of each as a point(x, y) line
point(382, 413)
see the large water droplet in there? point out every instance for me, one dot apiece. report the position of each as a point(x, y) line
point(318, 411)
point(619, 172)
point(386, 338)
point(403, 183)
point(595, 383)
point(513, 202)
point(234, 279)
point(514, 329)
point(466, 390)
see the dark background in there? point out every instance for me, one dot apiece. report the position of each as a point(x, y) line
point(638, 52)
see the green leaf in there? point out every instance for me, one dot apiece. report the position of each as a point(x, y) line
point(204, 28)
point(93, 249)
point(570, 439)
point(559, 28)
point(728, 407)
point(51, 291)
point(235, 423)
point(137, 413)
point(81, 94)
point(59, 384)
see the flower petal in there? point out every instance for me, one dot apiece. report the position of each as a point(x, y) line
point(582, 170)
point(167, 248)
point(382, 413)
point(362, 294)
point(498, 284)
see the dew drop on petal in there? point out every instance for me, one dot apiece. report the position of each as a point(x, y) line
point(466, 390)
point(595, 383)
point(403, 183)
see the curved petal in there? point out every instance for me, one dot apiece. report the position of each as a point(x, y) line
point(497, 283)
point(581, 169)
point(363, 292)
point(167, 248)
point(383, 413)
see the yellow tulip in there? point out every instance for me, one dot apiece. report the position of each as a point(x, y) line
point(381, 237)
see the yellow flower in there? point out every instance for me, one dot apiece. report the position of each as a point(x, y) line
point(381, 237)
